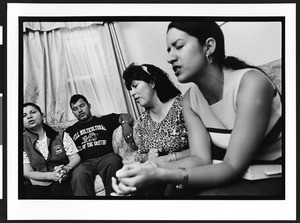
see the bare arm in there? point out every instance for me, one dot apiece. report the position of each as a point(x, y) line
point(40, 176)
point(71, 152)
point(181, 154)
point(160, 160)
point(254, 102)
point(126, 122)
point(126, 118)
point(56, 175)
point(74, 160)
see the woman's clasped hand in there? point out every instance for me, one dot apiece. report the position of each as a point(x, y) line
point(60, 173)
point(134, 177)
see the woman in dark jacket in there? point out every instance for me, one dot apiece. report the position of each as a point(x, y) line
point(48, 156)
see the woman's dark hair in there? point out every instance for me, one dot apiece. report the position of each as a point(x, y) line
point(152, 75)
point(205, 29)
point(33, 105)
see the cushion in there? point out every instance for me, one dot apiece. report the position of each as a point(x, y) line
point(121, 147)
point(273, 70)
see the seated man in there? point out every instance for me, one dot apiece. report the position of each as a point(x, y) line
point(93, 138)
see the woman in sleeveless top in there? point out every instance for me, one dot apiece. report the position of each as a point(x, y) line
point(233, 113)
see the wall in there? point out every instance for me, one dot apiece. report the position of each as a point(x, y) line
point(254, 42)
point(145, 42)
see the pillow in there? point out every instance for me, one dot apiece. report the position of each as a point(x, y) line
point(121, 147)
point(274, 71)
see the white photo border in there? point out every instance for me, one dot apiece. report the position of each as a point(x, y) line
point(149, 209)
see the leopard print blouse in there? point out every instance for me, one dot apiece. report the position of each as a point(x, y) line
point(170, 135)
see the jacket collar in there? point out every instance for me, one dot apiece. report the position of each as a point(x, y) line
point(50, 132)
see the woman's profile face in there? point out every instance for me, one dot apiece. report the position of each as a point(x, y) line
point(185, 54)
point(142, 92)
point(32, 118)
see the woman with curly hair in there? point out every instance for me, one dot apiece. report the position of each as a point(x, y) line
point(161, 130)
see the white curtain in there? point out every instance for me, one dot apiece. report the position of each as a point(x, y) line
point(65, 61)
point(45, 73)
point(48, 26)
point(133, 108)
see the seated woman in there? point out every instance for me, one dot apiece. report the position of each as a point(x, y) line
point(161, 128)
point(48, 157)
point(232, 106)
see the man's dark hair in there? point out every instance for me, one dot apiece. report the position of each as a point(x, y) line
point(76, 97)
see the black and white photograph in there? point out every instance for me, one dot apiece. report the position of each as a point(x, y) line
point(1, 145)
point(72, 67)
point(1, 110)
point(131, 107)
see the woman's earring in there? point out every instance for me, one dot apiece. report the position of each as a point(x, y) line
point(208, 58)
